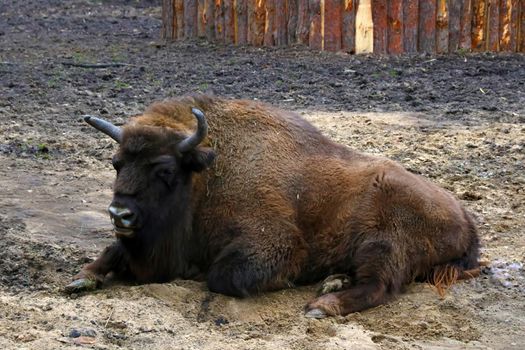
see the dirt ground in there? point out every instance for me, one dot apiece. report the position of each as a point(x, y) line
point(458, 119)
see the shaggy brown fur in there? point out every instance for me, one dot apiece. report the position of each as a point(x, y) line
point(279, 205)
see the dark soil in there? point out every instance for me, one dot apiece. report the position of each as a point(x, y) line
point(458, 119)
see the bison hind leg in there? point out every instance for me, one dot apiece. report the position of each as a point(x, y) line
point(377, 277)
point(354, 299)
point(334, 283)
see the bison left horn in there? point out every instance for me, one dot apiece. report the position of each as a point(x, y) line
point(192, 141)
point(106, 127)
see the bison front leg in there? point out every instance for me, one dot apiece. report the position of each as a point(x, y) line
point(92, 275)
point(258, 261)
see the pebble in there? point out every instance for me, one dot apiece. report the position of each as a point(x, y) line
point(86, 332)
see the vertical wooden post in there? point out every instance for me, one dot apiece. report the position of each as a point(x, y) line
point(332, 25)
point(315, 38)
point(281, 25)
point(291, 20)
point(379, 17)
point(241, 22)
point(454, 25)
point(348, 28)
point(179, 18)
point(201, 24)
point(395, 27)
point(427, 25)
point(465, 40)
point(219, 20)
point(303, 22)
point(364, 32)
point(410, 25)
point(478, 25)
point(209, 19)
point(168, 26)
point(521, 30)
point(256, 21)
point(229, 29)
point(442, 27)
point(508, 25)
point(190, 18)
point(493, 25)
point(269, 28)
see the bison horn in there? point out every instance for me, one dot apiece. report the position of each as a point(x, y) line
point(202, 130)
point(106, 127)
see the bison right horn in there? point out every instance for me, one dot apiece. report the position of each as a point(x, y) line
point(106, 127)
point(192, 141)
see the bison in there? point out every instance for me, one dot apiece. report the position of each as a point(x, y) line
point(263, 201)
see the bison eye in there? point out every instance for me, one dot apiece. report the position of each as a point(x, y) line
point(165, 173)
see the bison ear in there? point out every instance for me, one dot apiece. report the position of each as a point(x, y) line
point(198, 159)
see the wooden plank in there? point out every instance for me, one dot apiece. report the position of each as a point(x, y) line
point(493, 25)
point(229, 29)
point(209, 19)
point(303, 22)
point(410, 25)
point(395, 27)
point(442, 27)
point(509, 25)
point(332, 25)
point(465, 39)
point(315, 39)
point(201, 26)
point(269, 28)
point(190, 18)
point(504, 34)
point(281, 25)
point(256, 22)
point(514, 17)
point(521, 30)
point(219, 20)
point(479, 9)
point(427, 26)
point(364, 28)
point(348, 27)
point(291, 20)
point(454, 25)
point(241, 22)
point(179, 18)
point(168, 28)
point(379, 18)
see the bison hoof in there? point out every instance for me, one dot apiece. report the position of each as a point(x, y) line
point(334, 283)
point(81, 285)
point(326, 305)
point(315, 313)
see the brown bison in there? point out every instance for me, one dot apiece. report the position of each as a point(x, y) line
point(264, 201)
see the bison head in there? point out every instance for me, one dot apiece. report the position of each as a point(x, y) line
point(152, 190)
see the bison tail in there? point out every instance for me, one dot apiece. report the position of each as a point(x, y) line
point(444, 276)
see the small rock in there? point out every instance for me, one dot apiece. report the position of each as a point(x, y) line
point(74, 333)
point(86, 332)
point(221, 321)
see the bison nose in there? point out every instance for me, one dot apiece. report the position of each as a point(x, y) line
point(122, 217)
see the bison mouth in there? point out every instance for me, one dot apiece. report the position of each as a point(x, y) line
point(123, 232)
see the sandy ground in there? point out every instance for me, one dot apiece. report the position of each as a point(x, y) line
point(458, 120)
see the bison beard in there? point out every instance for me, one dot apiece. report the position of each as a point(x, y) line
point(264, 201)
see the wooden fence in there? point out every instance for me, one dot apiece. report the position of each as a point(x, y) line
point(355, 26)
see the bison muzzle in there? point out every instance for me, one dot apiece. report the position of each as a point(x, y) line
point(253, 199)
